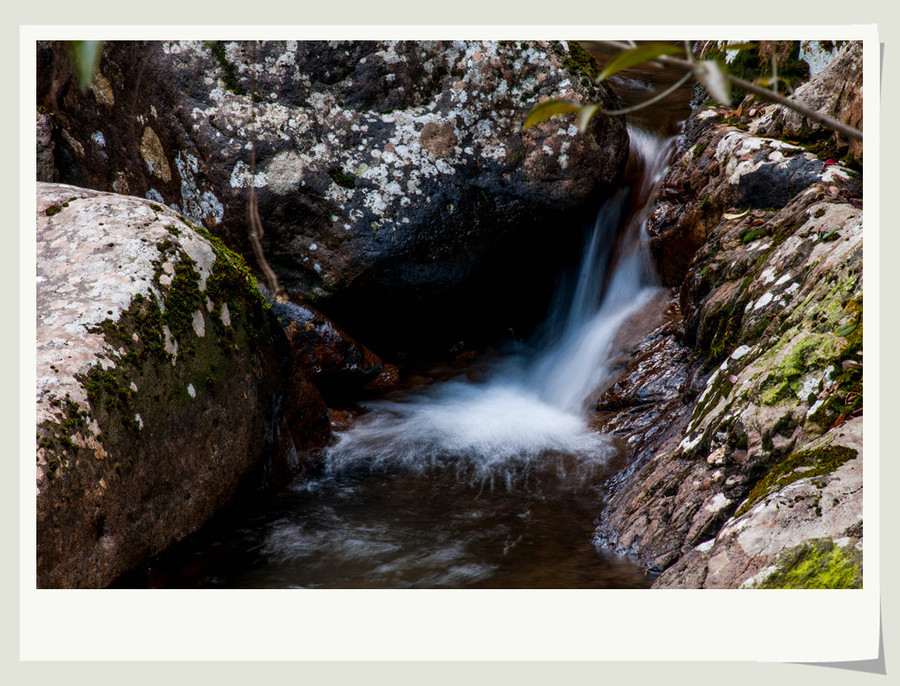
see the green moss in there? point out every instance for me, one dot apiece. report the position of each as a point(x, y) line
point(752, 234)
point(700, 147)
point(846, 397)
point(53, 209)
point(230, 78)
point(720, 330)
point(799, 465)
point(580, 62)
point(56, 441)
point(341, 178)
point(813, 351)
point(817, 563)
point(184, 297)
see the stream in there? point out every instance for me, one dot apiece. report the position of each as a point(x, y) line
point(488, 475)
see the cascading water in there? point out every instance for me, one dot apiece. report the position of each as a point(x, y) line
point(489, 483)
point(530, 405)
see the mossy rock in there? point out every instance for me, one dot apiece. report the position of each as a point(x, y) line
point(154, 410)
point(817, 563)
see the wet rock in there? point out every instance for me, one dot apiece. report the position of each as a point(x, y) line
point(385, 171)
point(158, 384)
point(334, 361)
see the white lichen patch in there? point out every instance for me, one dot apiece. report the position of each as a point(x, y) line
point(816, 56)
point(284, 172)
point(740, 351)
point(199, 324)
point(201, 207)
point(764, 300)
point(191, 391)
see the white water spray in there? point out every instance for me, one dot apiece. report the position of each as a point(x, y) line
point(529, 406)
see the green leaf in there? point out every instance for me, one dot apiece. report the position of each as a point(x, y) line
point(583, 118)
point(735, 216)
point(738, 46)
point(715, 80)
point(638, 55)
point(846, 329)
point(545, 110)
point(85, 56)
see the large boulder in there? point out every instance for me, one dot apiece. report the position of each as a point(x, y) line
point(389, 174)
point(800, 527)
point(159, 384)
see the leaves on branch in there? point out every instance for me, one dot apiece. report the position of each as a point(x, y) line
point(551, 108)
point(711, 75)
point(584, 116)
point(638, 55)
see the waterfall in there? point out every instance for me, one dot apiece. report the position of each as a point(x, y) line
point(531, 404)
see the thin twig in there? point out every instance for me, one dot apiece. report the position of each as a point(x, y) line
point(256, 227)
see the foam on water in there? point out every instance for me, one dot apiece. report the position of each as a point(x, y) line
point(531, 405)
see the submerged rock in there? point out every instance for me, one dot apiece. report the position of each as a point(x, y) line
point(158, 384)
point(386, 171)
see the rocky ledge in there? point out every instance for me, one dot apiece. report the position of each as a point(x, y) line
point(758, 479)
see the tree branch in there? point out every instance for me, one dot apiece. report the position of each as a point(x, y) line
point(772, 96)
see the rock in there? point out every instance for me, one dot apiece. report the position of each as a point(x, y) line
point(332, 359)
point(385, 171)
point(835, 91)
point(158, 384)
point(44, 147)
point(813, 498)
point(723, 169)
point(772, 307)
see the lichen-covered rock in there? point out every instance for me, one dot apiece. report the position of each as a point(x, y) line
point(385, 171)
point(809, 503)
point(772, 306)
point(158, 382)
point(723, 168)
